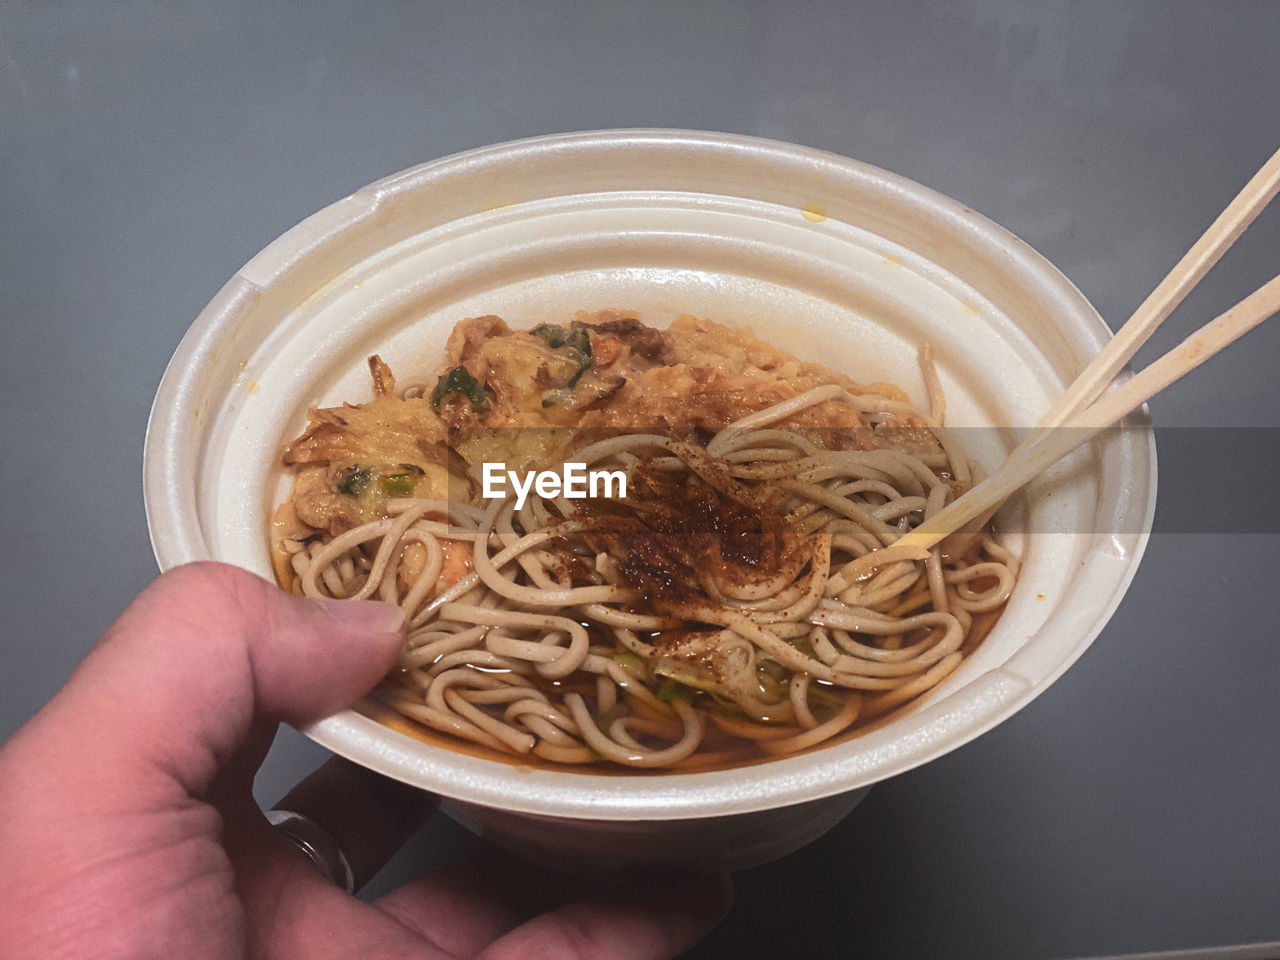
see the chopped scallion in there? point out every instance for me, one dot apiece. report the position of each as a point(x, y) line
point(355, 481)
point(460, 380)
point(398, 484)
point(673, 690)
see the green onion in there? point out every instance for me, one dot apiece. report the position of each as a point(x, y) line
point(579, 341)
point(673, 690)
point(578, 345)
point(575, 343)
point(460, 380)
point(631, 663)
point(398, 484)
point(552, 333)
point(355, 481)
point(555, 397)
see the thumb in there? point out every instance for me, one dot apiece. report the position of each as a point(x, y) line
point(178, 680)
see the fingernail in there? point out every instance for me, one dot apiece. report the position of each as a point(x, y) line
point(375, 616)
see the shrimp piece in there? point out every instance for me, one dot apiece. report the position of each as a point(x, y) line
point(605, 350)
point(457, 563)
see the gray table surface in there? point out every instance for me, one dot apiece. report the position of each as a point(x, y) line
point(148, 149)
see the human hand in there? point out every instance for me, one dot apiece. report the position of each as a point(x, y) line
point(129, 828)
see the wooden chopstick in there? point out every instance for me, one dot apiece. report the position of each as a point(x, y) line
point(1089, 384)
point(1171, 291)
point(1155, 309)
point(1083, 426)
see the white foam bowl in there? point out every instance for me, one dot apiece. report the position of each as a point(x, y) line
point(829, 258)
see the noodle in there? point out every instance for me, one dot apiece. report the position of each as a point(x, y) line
point(629, 634)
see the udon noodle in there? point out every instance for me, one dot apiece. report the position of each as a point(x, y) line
point(746, 600)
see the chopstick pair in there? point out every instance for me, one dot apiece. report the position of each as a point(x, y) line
point(1084, 410)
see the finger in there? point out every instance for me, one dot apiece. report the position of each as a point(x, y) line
point(654, 922)
point(465, 907)
point(178, 680)
point(368, 815)
point(96, 804)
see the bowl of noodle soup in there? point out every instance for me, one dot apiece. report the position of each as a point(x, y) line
point(712, 672)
